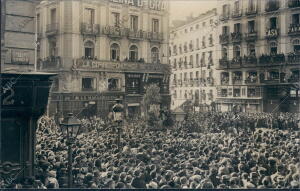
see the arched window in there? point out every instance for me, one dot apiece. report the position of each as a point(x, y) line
point(251, 49)
point(115, 52)
point(224, 53)
point(133, 53)
point(89, 49)
point(273, 48)
point(155, 55)
point(296, 44)
point(236, 51)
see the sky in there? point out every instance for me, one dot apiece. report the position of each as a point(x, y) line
point(180, 9)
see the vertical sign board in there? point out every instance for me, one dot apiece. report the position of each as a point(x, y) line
point(24, 98)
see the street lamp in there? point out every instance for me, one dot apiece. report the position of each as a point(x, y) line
point(118, 110)
point(70, 127)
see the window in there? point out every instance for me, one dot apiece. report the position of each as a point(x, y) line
point(197, 60)
point(89, 16)
point(52, 48)
point(115, 52)
point(192, 60)
point(224, 53)
point(53, 16)
point(133, 53)
point(38, 22)
point(197, 26)
point(210, 39)
point(251, 49)
point(191, 29)
point(251, 4)
point(273, 48)
point(55, 85)
point(296, 44)
point(89, 49)
point(295, 19)
point(236, 51)
point(237, 27)
point(224, 93)
point(155, 55)
point(273, 23)
point(116, 19)
point(197, 43)
point(225, 10)
point(251, 26)
point(203, 59)
point(236, 92)
point(225, 30)
point(211, 21)
point(113, 84)
point(87, 84)
point(236, 6)
point(134, 22)
point(191, 76)
point(155, 25)
point(197, 74)
point(203, 24)
point(203, 42)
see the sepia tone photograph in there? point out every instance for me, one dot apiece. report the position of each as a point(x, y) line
point(150, 94)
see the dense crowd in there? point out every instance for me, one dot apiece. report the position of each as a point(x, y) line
point(233, 151)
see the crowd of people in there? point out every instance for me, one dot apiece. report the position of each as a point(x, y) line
point(232, 151)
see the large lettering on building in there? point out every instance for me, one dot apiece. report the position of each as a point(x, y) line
point(150, 4)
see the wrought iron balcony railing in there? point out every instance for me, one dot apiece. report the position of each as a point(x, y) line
point(114, 31)
point(294, 29)
point(294, 3)
point(272, 6)
point(236, 37)
point(155, 36)
point(223, 63)
point(237, 13)
point(271, 59)
point(90, 29)
point(138, 35)
point(224, 38)
point(251, 36)
point(224, 17)
point(251, 11)
point(52, 29)
point(251, 81)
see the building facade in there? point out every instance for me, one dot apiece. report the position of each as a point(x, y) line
point(192, 58)
point(259, 55)
point(18, 35)
point(103, 51)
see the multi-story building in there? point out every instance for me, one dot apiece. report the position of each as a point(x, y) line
point(103, 51)
point(18, 35)
point(192, 58)
point(259, 43)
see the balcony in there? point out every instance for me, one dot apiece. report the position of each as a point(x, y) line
point(294, 79)
point(237, 81)
point(50, 63)
point(293, 58)
point(270, 7)
point(90, 29)
point(113, 31)
point(52, 29)
point(224, 17)
point(155, 36)
point(272, 59)
point(250, 60)
point(223, 63)
point(236, 37)
point(237, 13)
point(294, 29)
point(271, 81)
point(210, 81)
point(138, 35)
point(251, 11)
point(251, 81)
point(236, 62)
point(294, 3)
point(224, 38)
point(272, 33)
point(251, 36)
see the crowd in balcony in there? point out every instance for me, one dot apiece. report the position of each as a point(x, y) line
point(252, 77)
point(224, 78)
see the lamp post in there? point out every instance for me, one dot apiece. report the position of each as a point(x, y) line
point(70, 127)
point(118, 110)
